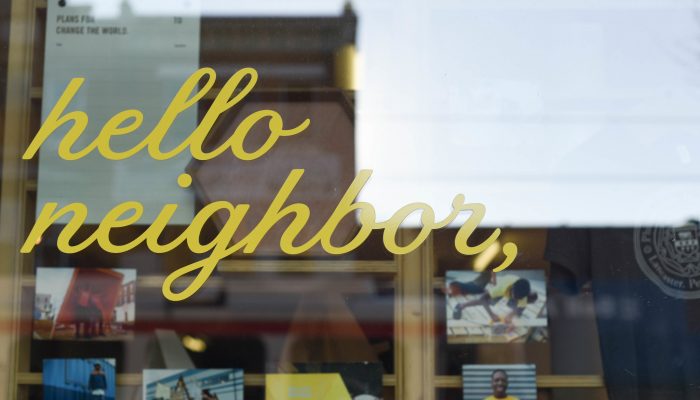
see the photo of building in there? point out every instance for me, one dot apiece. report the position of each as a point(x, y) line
point(193, 384)
point(84, 304)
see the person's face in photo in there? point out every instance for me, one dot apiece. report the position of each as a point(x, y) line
point(499, 384)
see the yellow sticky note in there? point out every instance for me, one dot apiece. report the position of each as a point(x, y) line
point(305, 387)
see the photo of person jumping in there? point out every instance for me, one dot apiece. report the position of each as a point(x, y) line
point(487, 306)
point(514, 289)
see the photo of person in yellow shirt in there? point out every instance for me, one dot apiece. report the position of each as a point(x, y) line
point(496, 307)
point(516, 290)
point(499, 384)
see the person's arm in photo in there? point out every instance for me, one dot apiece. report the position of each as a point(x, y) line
point(487, 305)
point(514, 313)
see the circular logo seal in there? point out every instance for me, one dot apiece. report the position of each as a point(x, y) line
point(670, 257)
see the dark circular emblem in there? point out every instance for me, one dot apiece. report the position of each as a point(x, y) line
point(670, 257)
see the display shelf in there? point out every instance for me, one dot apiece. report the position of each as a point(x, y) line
point(34, 378)
point(441, 381)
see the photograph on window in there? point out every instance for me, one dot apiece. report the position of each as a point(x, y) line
point(305, 386)
point(499, 382)
point(186, 384)
point(362, 380)
point(491, 307)
point(79, 379)
point(84, 304)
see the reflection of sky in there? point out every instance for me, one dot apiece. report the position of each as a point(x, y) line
point(583, 112)
point(547, 114)
point(55, 281)
point(587, 111)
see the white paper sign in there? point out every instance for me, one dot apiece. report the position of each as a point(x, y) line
point(131, 58)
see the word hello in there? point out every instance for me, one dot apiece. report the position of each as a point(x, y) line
point(235, 90)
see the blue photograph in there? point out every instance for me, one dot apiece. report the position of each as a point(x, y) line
point(79, 379)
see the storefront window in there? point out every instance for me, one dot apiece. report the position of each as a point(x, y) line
point(349, 200)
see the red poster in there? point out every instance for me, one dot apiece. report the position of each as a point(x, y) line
point(90, 291)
